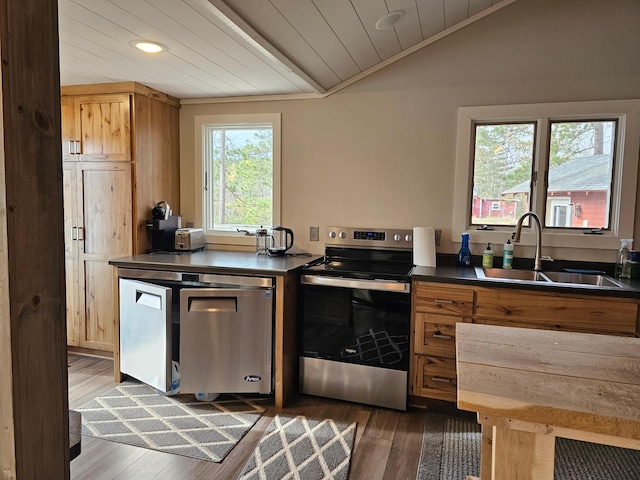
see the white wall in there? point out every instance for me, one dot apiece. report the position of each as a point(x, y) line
point(381, 152)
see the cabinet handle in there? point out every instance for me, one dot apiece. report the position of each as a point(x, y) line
point(437, 300)
point(72, 147)
point(440, 335)
point(441, 379)
point(80, 233)
point(74, 233)
point(77, 150)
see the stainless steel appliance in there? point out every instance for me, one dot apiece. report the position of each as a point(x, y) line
point(189, 239)
point(218, 327)
point(356, 317)
point(282, 240)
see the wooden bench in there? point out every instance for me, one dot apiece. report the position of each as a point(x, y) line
point(530, 386)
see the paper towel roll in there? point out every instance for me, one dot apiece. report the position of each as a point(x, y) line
point(424, 246)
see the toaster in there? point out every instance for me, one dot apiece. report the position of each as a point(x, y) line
point(189, 239)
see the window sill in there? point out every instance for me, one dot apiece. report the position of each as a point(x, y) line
point(231, 240)
point(574, 240)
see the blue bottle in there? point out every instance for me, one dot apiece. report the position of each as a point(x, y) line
point(464, 255)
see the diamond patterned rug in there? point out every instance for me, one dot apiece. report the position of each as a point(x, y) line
point(302, 448)
point(135, 414)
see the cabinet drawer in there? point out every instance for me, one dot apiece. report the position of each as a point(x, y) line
point(435, 378)
point(435, 335)
point(435, 298)
point(557, 312)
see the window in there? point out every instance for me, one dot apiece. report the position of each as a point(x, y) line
point(578, 168)
point(239, 175)
point(574, 164)
point(502, 166)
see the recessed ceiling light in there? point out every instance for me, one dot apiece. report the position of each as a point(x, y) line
point(148, 47)
point(389, 20)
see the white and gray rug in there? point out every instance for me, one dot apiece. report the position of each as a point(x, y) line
point(135, 414)
point(451, 450)
point(302, 448)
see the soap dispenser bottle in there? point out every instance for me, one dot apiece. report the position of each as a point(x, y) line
point(507, 254)
point(464, 255)
point(623, 267)
point(487, 257)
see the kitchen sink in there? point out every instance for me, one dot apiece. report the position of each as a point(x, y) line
point(550, 278)
point(582, 279)
point(510, 274)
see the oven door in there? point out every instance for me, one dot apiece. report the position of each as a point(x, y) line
point(364, 322)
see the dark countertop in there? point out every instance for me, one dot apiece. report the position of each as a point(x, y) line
point(467, 276)
point(212, 261)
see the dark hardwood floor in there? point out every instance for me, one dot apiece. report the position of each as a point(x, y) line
point(387, 445)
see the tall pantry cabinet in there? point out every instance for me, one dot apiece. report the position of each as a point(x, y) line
point(120, 145)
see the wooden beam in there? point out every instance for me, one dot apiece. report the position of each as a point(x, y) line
point(34, 441)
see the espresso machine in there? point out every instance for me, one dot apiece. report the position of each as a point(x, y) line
point(162, 228)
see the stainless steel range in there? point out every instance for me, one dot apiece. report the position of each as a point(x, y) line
point(356, 317)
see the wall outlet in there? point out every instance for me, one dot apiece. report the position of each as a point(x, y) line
point(314, 234)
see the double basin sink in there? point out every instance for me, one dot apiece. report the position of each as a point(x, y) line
point(563, 278)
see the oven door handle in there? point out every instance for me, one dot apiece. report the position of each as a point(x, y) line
point(381, 285)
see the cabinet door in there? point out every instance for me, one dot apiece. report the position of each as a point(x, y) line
point(145, 332)
point(435, 334)
point(103, 127)
point(444, 300)
point(71, 251)
point(68, 124)
point(435, 377)
point(575, 313)
point(104, 233)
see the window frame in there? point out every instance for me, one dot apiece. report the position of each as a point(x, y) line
point(229, 238)
point(625, 175)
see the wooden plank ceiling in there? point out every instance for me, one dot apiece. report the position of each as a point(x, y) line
point(238, 48)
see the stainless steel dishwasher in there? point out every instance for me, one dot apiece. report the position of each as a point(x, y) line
point(218, 327)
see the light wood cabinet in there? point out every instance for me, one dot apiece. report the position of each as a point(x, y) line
point(96, 127)
point(437, 307)
point(436, 310)
point(555, 311)
point(120, 156)
point(98, 227)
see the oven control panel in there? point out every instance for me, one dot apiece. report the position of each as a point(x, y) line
point(370, 237)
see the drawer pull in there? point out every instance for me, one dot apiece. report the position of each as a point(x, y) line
point(438, 300)
point(440, 335)
point(441, 379)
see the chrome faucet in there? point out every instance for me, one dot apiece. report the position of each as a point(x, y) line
point(516, 238)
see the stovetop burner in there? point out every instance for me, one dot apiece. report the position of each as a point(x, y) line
point(366, 254)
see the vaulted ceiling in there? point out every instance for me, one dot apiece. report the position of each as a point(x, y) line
point(239, 48)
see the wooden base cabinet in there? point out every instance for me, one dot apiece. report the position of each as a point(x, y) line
point(557, 311)
point(120, 156)
point(436, 310)
point(437, 307)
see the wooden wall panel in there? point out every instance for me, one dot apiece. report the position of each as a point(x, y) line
point(34, 441)
point(156, 161)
